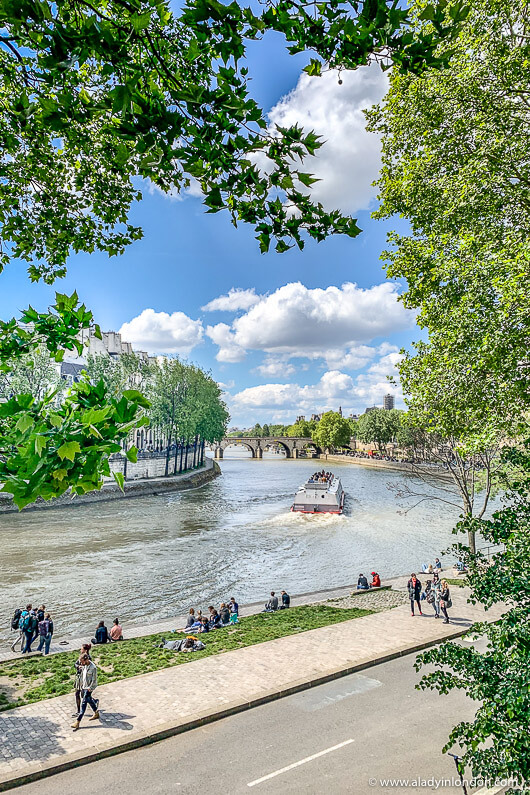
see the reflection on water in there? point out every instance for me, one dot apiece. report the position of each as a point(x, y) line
point(156, 556)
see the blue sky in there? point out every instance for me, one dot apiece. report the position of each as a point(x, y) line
point(292, 339)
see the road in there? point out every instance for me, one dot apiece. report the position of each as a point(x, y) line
point(337, 738)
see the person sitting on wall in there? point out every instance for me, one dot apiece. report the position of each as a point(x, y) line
point(102, 634)
point(286, 601)
point(116, 632)
point(362, 583)
point(376, 580)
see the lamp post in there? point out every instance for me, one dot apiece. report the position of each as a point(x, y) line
point(459, 771)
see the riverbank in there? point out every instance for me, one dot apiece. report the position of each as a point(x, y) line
point(374, 463)
point(38, 740)
point(140, 487)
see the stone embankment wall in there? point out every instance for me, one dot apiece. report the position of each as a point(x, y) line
point(132, 488)
point(150, 467)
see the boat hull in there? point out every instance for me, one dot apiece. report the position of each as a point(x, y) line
point(324, 509)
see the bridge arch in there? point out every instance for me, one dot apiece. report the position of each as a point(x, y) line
point(219, 450)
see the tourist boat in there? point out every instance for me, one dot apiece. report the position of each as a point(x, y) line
point(319, 496)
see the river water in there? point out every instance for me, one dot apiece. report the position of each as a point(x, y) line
point(153, 557)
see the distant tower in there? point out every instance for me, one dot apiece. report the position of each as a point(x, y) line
point(388, 402)
point(340, 411)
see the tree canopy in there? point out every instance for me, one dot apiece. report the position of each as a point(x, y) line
point(333, 430)
point(380, 426)
point(96, 93)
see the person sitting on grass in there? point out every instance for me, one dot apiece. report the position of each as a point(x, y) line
point(191, 620)
point(204, 625)
point(224, 614)
point(362, 583)
point(215, 618)
point(116, 632)
point(102, 634)
point(272, 605)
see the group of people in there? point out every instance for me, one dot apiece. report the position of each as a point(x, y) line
point(228, 613)
point(103, 635)
point(321, 477)
point(430, 569)
point(273, 604)
point(436, 593)
point(364, 585)
point(33, 623)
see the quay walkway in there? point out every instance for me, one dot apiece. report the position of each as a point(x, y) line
point(37, 739)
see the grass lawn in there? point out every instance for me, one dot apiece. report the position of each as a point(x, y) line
point(37, 678)
point(457, 583)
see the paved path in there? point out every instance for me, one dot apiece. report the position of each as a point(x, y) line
point(375, 725)
point(38, 736)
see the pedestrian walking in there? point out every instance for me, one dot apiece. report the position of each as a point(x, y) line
point(445, 600)
point(45, 633)
point(414, 589)
point(89, 682)
point(85, 649)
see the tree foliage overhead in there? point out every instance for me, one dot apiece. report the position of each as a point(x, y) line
point(456, 164)
point(96, 93)
point(495, 742)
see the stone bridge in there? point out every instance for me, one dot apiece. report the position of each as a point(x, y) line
point(292, 445)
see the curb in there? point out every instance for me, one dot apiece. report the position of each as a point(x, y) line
point(171, 729)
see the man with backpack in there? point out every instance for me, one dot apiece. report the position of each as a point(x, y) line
point(45, 633)
point(28, 625)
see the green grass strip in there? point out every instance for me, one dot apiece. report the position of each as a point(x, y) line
point(37, 678)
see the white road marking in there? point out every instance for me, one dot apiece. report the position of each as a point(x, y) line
point(297, 764)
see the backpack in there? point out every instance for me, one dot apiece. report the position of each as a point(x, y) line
point(15, 621)
point(32, 623)
point(44, 627)
point(24, 622)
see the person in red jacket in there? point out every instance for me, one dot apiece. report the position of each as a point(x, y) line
point(376, 580)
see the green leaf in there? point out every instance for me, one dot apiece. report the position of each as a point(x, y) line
point(40, 444)
point(120, 480)
point(68, 450)
point(24, 423)
point(132, 454)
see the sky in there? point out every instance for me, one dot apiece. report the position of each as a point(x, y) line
point(284, 334)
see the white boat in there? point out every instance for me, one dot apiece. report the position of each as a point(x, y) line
point(320, 495)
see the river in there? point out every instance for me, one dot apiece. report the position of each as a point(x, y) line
point(153, 557)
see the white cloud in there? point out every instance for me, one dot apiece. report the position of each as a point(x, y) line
point(275, 366)
point(236, 299)
point(373, 384)
point(300, 322)
point(159, 332)
point(349, 161)
point(283, 402)
point(229, 351)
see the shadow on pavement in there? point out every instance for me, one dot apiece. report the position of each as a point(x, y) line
point(32, 739)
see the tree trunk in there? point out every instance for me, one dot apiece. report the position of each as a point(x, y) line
point(167, 454)
point(181, 454)
point(202, 452)
point(125, 460)
point(194, 451)
point(176, 457)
